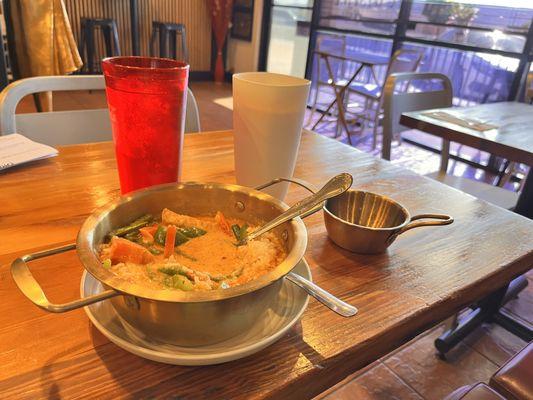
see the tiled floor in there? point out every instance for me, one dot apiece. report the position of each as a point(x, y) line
point(412, 371)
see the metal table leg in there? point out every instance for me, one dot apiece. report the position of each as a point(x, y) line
point(487, 310)
point(524, 206)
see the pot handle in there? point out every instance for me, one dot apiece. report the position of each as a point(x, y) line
point(33, 291)
point(435, 219)
point(300, 182)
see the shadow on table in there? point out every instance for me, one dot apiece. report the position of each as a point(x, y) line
point(171, 380)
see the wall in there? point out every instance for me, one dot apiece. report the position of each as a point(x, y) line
point(243, 56)
point(192, 13)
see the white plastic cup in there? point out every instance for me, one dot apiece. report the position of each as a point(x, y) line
point(268, 113)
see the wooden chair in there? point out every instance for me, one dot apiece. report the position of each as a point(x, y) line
point(394, 104)
point(66, 127)
point(403, 60)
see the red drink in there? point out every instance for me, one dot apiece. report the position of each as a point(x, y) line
point(147, 99)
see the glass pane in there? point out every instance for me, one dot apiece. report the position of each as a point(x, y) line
point(362, 15)
point(296, 3)
point(289, 40)
point(496, 39)
point(476, 77)
point(514, 15)
point(352, 48)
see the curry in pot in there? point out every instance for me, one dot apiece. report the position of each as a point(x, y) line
point(182, 252)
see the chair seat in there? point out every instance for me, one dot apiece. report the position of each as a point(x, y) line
point(479, 391)
point(492, 194)
point(513, 379)
point(371, 90)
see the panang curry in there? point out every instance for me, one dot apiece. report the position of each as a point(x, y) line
point(181, 252)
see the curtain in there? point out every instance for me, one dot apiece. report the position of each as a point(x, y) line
point(44, 43)
point(220, 22)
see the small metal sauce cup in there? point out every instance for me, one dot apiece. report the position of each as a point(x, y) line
point(368, 223)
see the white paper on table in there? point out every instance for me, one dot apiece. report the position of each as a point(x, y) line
point(16, 149)
point(469, 123)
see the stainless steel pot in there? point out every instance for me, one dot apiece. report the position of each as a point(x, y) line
point(368, 223)
point(182, 318)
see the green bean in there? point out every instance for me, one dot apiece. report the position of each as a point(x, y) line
point(181, 253)
point(234, 274)
point(191, 231)
point(180, 239)
point(134, 236)
point(160, 235)
point(239, 232)
point(236, 231)
point(168, 271)
point(134, 226)
point(155, 251)
point(106, 263)
point(178, 282)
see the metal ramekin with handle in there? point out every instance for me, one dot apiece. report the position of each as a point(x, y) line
point(368, 223)
point(184, 318)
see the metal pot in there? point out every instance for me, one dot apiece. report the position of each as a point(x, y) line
point(177, 317)
point(368, 223)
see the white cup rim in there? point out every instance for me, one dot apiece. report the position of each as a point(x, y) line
point(283, 80)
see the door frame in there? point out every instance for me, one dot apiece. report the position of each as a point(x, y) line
point(264, 42)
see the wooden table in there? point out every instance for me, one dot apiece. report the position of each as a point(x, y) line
point(512, 140)
point(427, 275)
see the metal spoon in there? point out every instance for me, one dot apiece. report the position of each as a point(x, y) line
point(326, 298)
point(335, 186)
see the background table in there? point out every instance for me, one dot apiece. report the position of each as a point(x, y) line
point(512, 140)
point(428, 274)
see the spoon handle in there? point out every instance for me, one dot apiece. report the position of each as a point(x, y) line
point(335, 186)
point(326, 298)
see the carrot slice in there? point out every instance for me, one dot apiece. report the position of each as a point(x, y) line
point(122, 250)
point(223, 223)
point(169, 241)
point(148, 233)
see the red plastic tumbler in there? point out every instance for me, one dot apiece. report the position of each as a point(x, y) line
point(147, 99)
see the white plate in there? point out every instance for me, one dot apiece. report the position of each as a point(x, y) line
point(284, 313)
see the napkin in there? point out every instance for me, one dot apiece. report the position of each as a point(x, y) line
point(469, 123)
point(16, 149)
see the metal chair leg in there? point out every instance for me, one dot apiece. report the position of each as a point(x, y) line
point(82, 45)
point(107, 41)
point(163, 34)
point(89, 36)
point(184, 49)
point(313, 107)
point(153, 38)
point(375, 134)
point(116, 43)
point(375, 130)
point(172, 45)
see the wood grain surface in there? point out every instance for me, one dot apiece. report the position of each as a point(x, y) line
point(425, 276)
point(513, 139)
